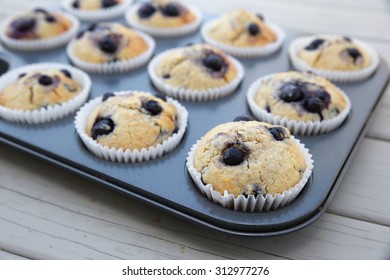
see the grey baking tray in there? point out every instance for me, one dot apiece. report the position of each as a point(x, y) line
point(165, 183)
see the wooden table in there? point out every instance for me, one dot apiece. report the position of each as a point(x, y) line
point(47, 213)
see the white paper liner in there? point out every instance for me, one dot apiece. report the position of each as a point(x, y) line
point(296, 127)
point(251, 203)
point(194, 95)
point(120, 155)
point(39, 44)
point(164, 31)
point(334, 76)
point(97, 15)
point(246, 52)
point(118, 66)
point(50, 113)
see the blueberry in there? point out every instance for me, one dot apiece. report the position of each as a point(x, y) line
point(66, 73)
point(153, 107)
point(161, 96)
point(166, 76)
point(348, 39)
point(242, 119)
point(354, 53)
point(24, 24)
point(76, 4)
point(171, 10)
point(253, 29)
point(314, 104)
point(21, 75)
point(107, 95)
point(146, 10)
point(255, 190)
point(102, 126)
point(92, 26)
point(314, 44)
point(233, 156)
point(80, 34)
point(50, 18)
point(108, 44)
point(260, 16)
point(278, 133)
point(290, 93)
point(108, 3)
point(40, 10)
point(214, 62)
point(45, 80)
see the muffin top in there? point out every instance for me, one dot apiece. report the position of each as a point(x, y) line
point(90, 5)
point(37, 24)
point(108, 42)
point(132, 121)
point(335, 53)
point(249, 158)
point(196, 67)
point(300, 96)
point(163, 14)
point(40, 88)
point(242, 29)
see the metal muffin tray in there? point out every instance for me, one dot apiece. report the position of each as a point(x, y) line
point(165, 182)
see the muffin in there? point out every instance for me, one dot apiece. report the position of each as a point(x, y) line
point(197, 72)
point(131, 126)
point(164, 18)
point(244, 34)
point(96, 10)
point(38, 29)
point(246, 165)
point(42, 92)
point(338, 58)
point(304, 102)
point(110, 48)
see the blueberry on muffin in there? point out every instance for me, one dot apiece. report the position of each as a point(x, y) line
point(163, 14)
point(132, 121)
point(90, 5)
point(108, 42)
point(335, 53)
point(37, 24)
point(249, 158)
point(300, 97)
point(196, 67)
point(241, 29)
point(40, 89)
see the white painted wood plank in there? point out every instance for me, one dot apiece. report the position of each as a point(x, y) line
point(49, 213)
point(365, 190)
point(379, 127)
point(4, 255)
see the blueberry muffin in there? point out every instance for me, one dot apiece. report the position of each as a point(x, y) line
point(90, 5)
point(300, 97)
point(37, 24)
point(106, 43)
point(162, 14)
point(39, 89)
point(249, 158)
point(196, 67)
point(241, 29)
point(335, 53)
point(132, 121)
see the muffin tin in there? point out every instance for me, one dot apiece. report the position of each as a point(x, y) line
point(165, 182)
